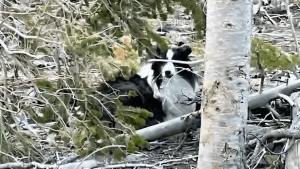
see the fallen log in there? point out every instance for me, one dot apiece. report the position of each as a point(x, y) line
point(171, 127)
point(261, 99)
point(180, 124)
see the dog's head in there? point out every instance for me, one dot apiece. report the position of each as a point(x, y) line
point(174, 83)
point(180, 53)
point(163, 70)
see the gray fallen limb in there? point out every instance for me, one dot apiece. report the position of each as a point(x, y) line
point(171, 127)
point(85, 164)
point(128, 166)
point(260, 99)
point(181, 124)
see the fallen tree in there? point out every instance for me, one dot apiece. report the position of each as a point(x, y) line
point(181, 124)
point(261, 99)
point(171, 127)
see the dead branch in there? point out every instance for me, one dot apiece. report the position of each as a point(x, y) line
point(179, 124)
point(260, 99)
point(147, 165)
point(128, 166)
point(19, 52)
point(29, 37)
point(177, 61)
point(85, 164)
point(274, 134)
point(268, 121)
point(171, 127)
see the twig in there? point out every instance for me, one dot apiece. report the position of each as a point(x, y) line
point(262, 72)
point(280, 133)
point(19, 52)
point(87, 164)
point(274, 112)
point(175, 160)
point(9, 156)
point(28, 37)
point(265, 118)
point(56, 55)
point(128, 166)
point(290, 17)
point(287, 98)
point(187, 33)
point(275, 34)
point(63, 6)
point(263, 152)
point(68, 159)
point(13, 114)
point(269, 121)
point(177, 61)
point(189, 100)
point(273, 22)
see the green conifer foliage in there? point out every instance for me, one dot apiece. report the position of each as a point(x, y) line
point(83, 119)
point(271, 57)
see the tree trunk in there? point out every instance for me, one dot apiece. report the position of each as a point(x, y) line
point(1, 6)
point(292, 158)
point(226, 84)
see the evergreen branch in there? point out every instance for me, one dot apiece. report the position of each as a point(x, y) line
point(100, 149)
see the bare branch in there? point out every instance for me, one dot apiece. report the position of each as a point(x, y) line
point(177, 61)
point(28, 37)
point(19, 52)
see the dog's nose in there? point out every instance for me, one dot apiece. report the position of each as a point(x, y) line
point(168, 73)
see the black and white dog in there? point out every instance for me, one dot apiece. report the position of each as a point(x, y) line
point(166, 89)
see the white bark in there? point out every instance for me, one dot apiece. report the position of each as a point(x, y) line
point(226, 84)
point(292, 158)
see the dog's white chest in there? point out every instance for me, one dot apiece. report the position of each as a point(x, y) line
point(175, 93)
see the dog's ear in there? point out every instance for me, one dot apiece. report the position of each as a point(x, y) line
point(180, 43)
point(160, 53)
point(185, 50)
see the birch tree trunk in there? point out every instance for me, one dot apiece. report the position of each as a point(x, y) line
point(1, 7)
point(226, 84)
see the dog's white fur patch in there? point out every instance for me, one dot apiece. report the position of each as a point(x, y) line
point(170, 54)
point(169, 66)
point(145, 70)
point(175, 91)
